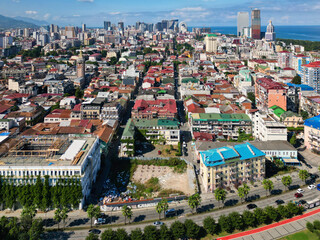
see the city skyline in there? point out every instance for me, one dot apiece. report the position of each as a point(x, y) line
point(201, 13)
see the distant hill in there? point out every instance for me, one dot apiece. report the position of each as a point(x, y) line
point(31, 20)
point(6, 22)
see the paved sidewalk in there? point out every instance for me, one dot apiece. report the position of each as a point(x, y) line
point(277, 230)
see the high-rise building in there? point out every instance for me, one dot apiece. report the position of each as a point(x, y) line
point(270, 34)
point(70, 32)
point(84, 27)
point(311, 75)
point(285, 59)
point(107, 25)
point(255, 24)
point(211, 43)
point(138, 25)
point(298, 61)
point(243, 22)
point(121, 26)
point(81, 66)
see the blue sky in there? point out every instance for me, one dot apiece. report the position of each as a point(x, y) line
point(193, 12)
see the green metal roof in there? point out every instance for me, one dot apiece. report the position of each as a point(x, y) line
point(129, 129)
point(223, 117)
point(212, 35)
point(143, 123)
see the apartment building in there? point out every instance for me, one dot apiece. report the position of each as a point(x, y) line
point(269, 93)
point(311, 75)
point(312, 133)
point(222, 125)
point(160, 108)
point(231, 166)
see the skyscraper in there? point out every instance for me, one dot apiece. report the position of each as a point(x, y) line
point(81, 66)
point(84, 27)
point(106, 25)
point(270, 34)
point(243, 22)
point(255, 24)
point(121, 26)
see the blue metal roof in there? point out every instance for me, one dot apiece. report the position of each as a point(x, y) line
point(219, 156)
point(303, 87)
point(313, 122)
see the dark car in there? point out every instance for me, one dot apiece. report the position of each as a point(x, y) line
point(251, 206)
point(298, 195)
point(279, 202)
point(95, 231)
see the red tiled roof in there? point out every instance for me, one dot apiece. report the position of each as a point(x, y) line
point(313, 65)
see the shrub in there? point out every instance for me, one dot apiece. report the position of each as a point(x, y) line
point(310, 226)
point(316, 224)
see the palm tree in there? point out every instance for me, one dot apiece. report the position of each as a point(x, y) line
point(220, 195)
point(303, 175)
point(267, 185)
point(90, 212)
point(159, 209)
point(165, 206)
point(194, 201)
point(241, 193)
point(127, 213)
point(246, 190)
point(286, 181)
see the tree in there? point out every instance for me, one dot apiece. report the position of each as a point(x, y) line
point(192, 229)
point(209, 224)
point(296, 80)
point(92, 236)
point(251, 97)
point(165, 206)
point(36, 229)
point(64, 216)
point(286, 181)
point(304, 114)
point(57, 216)
point(316, 224)
point(93, 212)
point(194, 201)
point(79, 93)
point(122, 234)
point(225, 225)
point(237, 221)
point(249, 218)
point(178, 230)
point(293, 140)
point(246, 190)
point(127, 213)
point(272, 213)
point(136, 234)
point(151, 233)
point(304, 175)
point(283, 212)
point(260, 215)
point(159, 209)
point(310, 226)
point(108, 234)
point(46, 196)
point(165, 233)
point(220, 195)
point(241, 193)
point(267, 185)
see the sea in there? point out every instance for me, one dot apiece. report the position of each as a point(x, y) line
point(311, 33)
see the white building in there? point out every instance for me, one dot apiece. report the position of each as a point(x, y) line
point(311, 75)
point(211, 43)
point(270, 34)
point(266, 128)
point(58, 157)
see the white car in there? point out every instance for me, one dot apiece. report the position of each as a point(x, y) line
point(99, 221)
point(300, 190)
point(311, 187)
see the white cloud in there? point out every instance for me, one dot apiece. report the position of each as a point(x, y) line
point(114, 13)
point(30, 12)
point(46, 16)
point(86, 1)
point(16, 1)
point(75, 15)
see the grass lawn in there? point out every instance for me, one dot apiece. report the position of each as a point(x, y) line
point(303, 235)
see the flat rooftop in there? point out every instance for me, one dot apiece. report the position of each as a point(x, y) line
point(44, 151)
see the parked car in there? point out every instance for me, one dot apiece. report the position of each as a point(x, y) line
point(300, 190)
point(170, 212)
point(99, 221)
point(298, 195)
point(251, 206)
point(158, 223)
point(94, 231)
point(279, 202)
point(311, 187)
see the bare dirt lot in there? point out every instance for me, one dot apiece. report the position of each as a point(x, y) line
point(168, 179)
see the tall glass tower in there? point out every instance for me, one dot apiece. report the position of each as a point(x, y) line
point(243, 22)
point(255, 24)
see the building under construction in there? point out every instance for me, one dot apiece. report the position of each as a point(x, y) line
point(55, 156)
